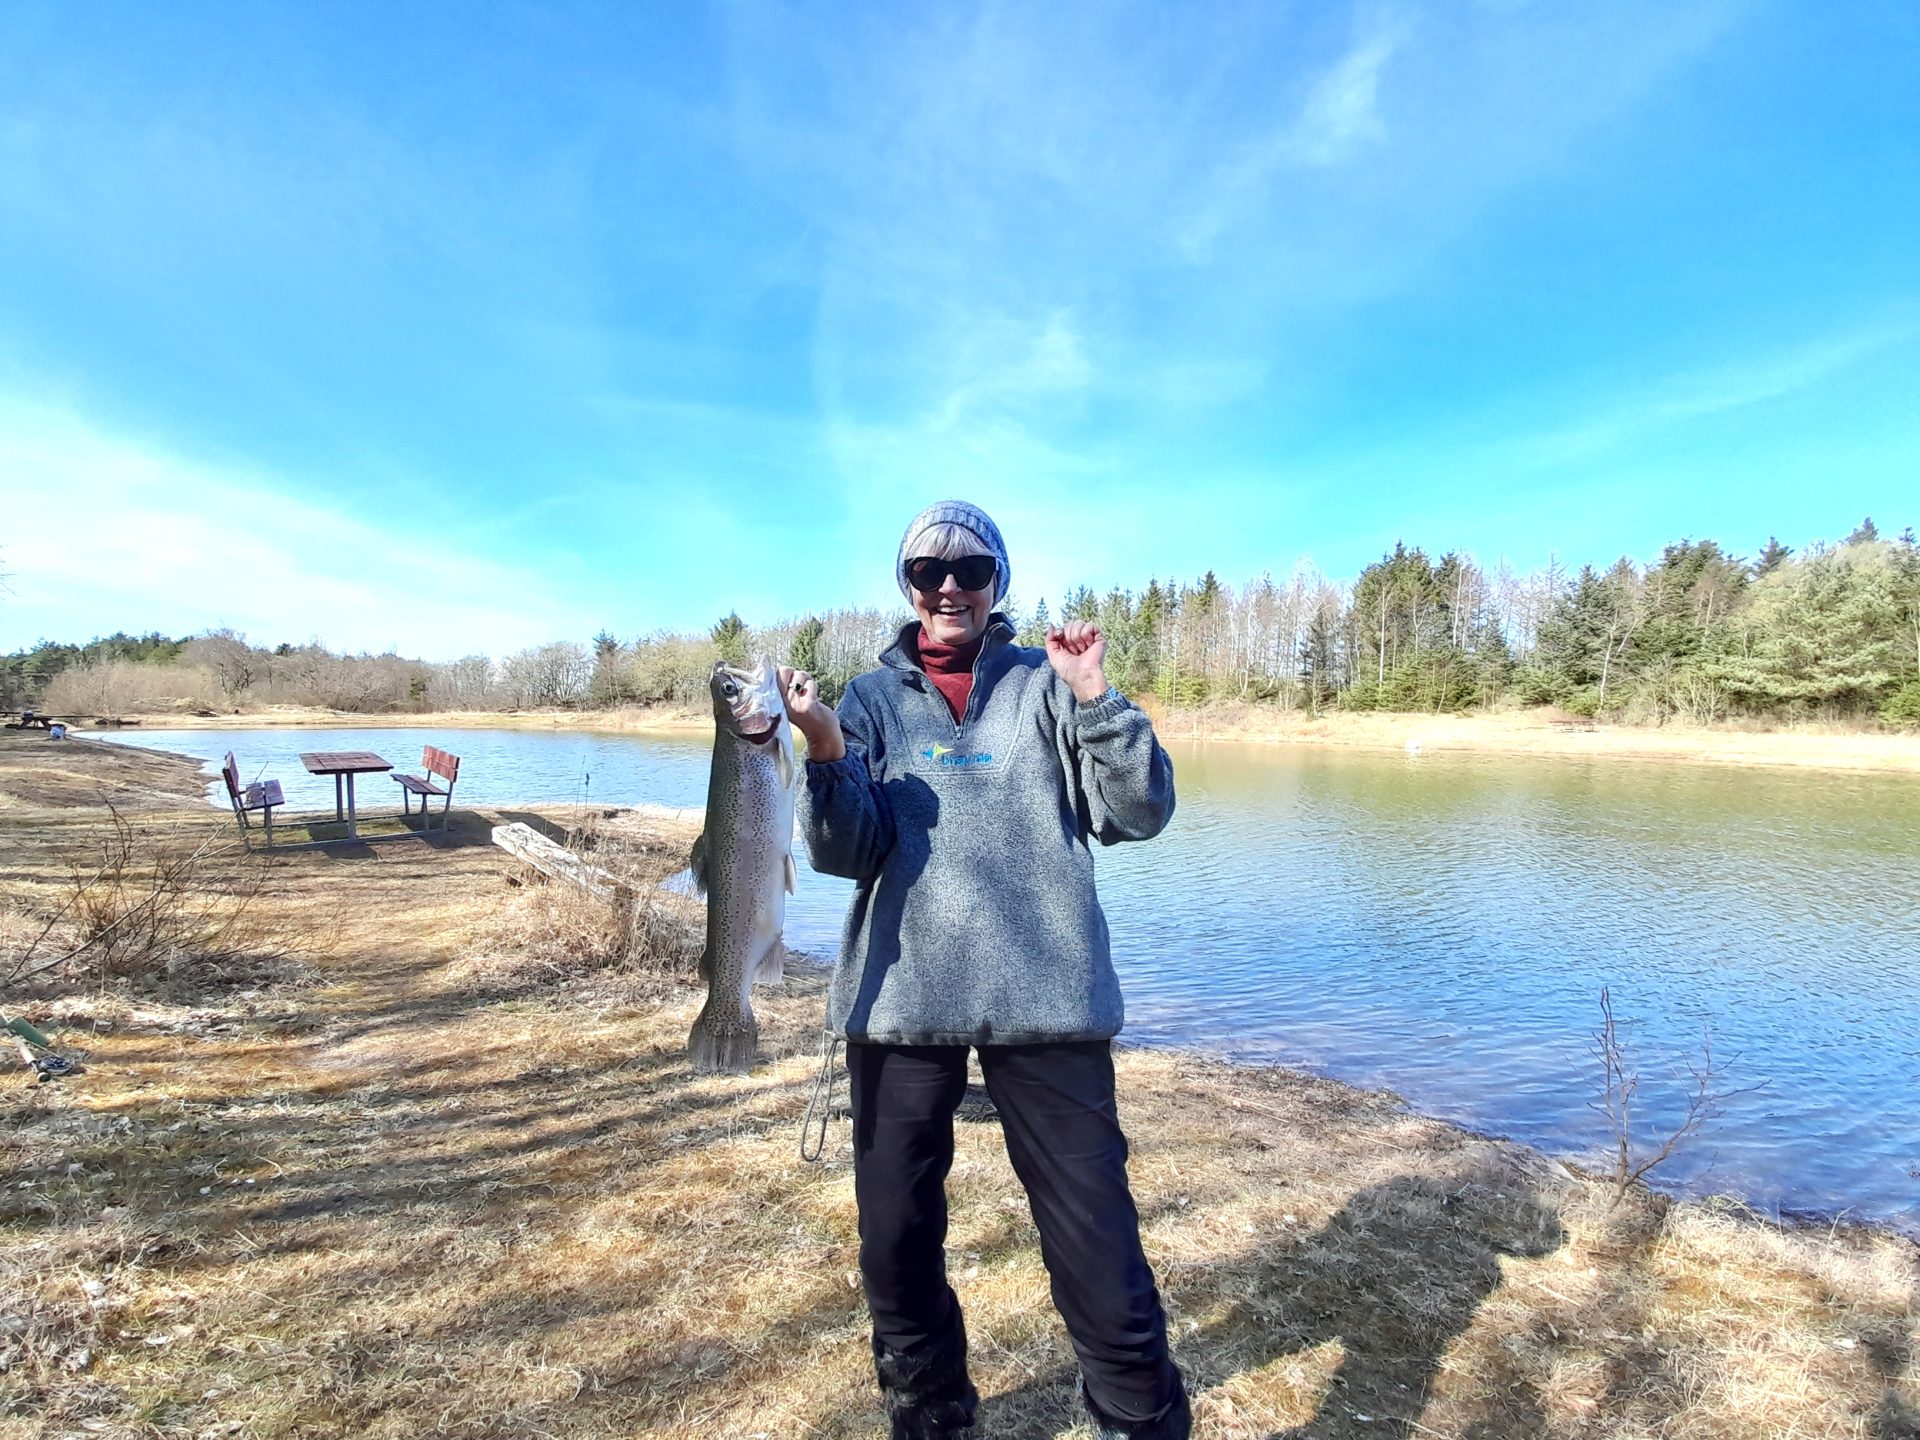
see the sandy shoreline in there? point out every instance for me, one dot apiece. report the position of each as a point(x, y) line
point(1523, 733)
point(310, 717)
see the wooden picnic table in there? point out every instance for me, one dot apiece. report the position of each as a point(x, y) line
point(343, 764)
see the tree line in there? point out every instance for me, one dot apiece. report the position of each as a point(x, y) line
point(1699, 634)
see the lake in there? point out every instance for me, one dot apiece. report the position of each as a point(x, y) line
point(1442, 926)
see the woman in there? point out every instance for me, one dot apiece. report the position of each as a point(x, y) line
point(959, 784)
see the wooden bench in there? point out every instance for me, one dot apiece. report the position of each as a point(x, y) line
point(433, 762)
point(1577, 723)
point(262, 795)
point(30, 721)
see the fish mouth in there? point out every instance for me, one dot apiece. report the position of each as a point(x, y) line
point(760, 737)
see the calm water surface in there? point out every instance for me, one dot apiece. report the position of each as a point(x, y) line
point(1443, 926)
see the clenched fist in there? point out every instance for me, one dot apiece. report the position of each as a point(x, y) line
point(1077, 651)
point(811, 716)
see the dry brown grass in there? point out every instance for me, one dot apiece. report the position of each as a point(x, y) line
point(38, 773)
point(565, 931)
point(449, 1188)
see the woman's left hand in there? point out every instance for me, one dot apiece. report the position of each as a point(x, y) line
point(1077, 651)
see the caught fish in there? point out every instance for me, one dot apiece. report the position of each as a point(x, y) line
point(743, 860)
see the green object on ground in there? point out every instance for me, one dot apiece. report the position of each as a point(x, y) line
point(27, 1033)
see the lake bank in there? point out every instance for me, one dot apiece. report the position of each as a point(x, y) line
point(1529, 733)
point(1532, 733)
point(1441, 927)
point(426, 1167)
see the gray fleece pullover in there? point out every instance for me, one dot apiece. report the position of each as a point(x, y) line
point(975, 921)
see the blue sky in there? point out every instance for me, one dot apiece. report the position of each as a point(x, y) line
point(457, 327)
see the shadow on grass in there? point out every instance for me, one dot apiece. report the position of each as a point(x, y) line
point(1394, 1278)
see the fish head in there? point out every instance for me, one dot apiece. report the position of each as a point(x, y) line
point(746, 702)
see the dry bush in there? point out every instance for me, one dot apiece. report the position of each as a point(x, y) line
point(123, 687)
point(636, 927)
point(570, 929)
point(671, 669)
point(146, 902)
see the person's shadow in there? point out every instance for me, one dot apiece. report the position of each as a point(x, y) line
point(1394, 1277)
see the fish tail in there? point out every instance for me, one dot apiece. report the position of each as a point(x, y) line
point(723, 1046)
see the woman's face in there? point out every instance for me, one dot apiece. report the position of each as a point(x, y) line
point(953, 616)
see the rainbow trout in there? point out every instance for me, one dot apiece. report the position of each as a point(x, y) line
point(743, 860)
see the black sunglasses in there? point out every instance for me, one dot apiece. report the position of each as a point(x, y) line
point(971, 572)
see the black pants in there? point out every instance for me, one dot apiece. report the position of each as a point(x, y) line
point(1057, 1110)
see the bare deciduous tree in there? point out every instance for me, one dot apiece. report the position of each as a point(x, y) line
point(553, 674)
point(234, 663)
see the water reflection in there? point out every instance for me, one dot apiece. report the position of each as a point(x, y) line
point(1443, 926)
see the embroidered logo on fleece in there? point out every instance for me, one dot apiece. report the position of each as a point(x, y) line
point(943, 755)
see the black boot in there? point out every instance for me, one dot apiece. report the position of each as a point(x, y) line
point(1173, 1423)
point(929, 1396)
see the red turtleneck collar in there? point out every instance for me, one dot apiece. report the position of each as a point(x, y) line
point(950, 667)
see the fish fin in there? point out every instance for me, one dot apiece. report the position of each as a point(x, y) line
point(772, 967)
point(783, 758)
point(697, 863)
point(706, 963)
point(786, 865)
point(716, 1048)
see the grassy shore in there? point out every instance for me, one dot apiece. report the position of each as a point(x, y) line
point(419, 1153)
point(1519, 732)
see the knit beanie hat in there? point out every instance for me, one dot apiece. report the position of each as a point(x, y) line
point(970, 518)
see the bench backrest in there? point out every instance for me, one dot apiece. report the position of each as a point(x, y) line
point(440, 763)
point(230, 772)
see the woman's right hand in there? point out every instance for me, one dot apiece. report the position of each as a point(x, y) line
point(811, 716)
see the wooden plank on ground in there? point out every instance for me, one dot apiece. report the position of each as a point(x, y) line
point(525, 843)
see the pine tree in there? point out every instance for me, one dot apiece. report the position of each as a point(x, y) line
point(1316, 661)
point(1493, 663)
point(804, 652)
point(606, 687)
point(730, 634)
point(1866, 534)
point(1772, 556)
point(1149, 620)
point(1034, 632)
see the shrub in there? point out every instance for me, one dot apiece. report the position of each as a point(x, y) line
point(1902, 708)
point(123, 687)
point(146, 903)
point(637, 928)
point(1535, 685)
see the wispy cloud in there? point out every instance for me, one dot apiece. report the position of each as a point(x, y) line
point(1702, 393)
point(1342, 110)
point(1340, 117)
point(104, 532)
point(1016, 368)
